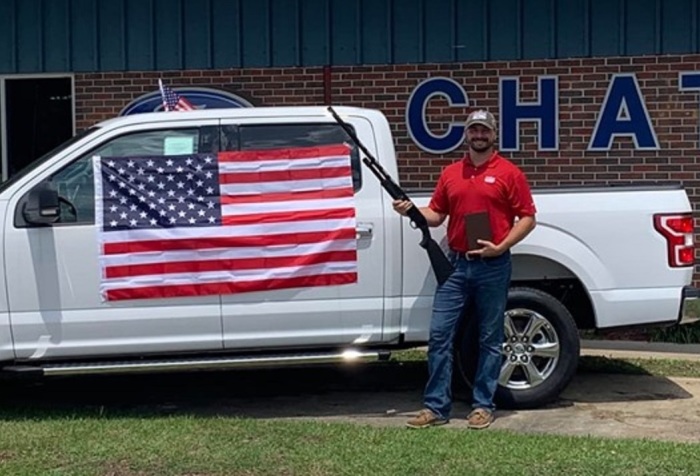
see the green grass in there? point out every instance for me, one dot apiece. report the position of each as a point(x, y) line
point(658, 367)
point(181, 445)
point(115, 442)
point(691, 308)
point(685, 334)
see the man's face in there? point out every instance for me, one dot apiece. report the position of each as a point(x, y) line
point(480, 138)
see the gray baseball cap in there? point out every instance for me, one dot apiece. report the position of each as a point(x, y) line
point(482, 117)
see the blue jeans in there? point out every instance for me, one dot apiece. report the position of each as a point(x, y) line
point(484, 283)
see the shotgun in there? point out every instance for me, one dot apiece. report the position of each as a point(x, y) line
point(439, 262)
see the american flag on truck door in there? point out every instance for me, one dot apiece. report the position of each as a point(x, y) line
point(201, 224)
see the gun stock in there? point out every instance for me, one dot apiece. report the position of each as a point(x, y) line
point(438, 261)
point(442, 267)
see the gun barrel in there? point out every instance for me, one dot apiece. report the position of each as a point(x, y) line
point(351, 133)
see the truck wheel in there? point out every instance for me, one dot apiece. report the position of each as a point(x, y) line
point(540, 351)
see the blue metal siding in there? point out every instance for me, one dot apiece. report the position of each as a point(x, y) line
point(112, 53)
point(605, 27)
point(407, 28)
point(471, 33)
point(56, 36)
point(375, 32)
point(84, 42)
point(168, 34)
point(503, 28)
point(139, 35)
point(679, 27)
point(225, 36)
point(197, 34)
point(285, 33)
point(29, 35)
point(8, 42)
point(115, 35)
point(315, 31)
point(641, 30)
point(439, 36)
point(345, 29)
point(572, 22)
point(255, 33)
point(538, 27)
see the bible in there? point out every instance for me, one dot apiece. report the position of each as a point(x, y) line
point(477, 226)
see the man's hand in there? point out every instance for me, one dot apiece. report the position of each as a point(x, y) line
point(433, 218)
point(402, 206)
point(519, 231)
point(488, 250)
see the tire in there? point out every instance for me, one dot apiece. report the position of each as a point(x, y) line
point(541, 350)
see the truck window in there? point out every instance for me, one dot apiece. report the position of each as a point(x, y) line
point(37, 162)
point(75, 184)
point(251, 137)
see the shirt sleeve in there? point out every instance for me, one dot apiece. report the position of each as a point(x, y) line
point(438, 203)
point(521, 196)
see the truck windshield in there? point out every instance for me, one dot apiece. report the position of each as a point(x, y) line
point(37, 162)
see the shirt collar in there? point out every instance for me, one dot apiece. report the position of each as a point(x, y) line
point(490, 163)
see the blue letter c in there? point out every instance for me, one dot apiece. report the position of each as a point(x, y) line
point(416, 120)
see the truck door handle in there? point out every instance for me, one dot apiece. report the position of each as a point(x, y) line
point(363, 230)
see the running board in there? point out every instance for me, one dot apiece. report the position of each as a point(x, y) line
point(202, 363)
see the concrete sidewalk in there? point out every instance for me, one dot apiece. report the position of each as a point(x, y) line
point(616, 406)
point(640, 350)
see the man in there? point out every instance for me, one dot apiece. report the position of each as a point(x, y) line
point(483, 181)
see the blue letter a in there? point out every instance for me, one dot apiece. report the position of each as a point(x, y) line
point(623, 114)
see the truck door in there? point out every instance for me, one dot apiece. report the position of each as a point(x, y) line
point(53, 287)
point(324, 315)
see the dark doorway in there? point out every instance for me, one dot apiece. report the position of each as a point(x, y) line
point(39, 117)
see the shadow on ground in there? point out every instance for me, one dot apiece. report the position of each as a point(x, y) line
point(365, 391)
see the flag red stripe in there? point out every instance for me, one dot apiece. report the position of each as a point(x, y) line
point(283, 197)
point(184, 105)
point(285, 154)
point(174, 267)
point(230, 287)
point(288, 216)
point(284, 175)
point(226, 242)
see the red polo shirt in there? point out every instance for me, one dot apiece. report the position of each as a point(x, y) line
point(496, 186)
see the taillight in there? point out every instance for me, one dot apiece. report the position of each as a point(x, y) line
point(678, 230)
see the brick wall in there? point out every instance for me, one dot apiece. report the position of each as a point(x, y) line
point(582, 87)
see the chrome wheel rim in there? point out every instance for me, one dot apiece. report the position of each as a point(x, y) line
point(531, 349)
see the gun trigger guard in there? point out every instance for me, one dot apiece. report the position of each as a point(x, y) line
point(413, 224)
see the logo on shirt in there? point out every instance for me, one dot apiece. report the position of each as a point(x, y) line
point(490, 179)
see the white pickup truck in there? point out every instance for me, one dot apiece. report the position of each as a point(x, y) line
point(599, 258)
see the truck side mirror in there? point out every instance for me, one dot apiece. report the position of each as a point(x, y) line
point(42, 206)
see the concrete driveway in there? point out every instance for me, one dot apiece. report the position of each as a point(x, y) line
point(629, 406)
point(605, 405)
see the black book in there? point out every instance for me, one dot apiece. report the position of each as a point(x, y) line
point(477, 227)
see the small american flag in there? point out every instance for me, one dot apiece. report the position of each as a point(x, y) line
point(173, 101)
point(202, 224)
